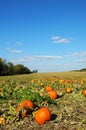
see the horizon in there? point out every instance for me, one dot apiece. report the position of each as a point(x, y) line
point(46, 35)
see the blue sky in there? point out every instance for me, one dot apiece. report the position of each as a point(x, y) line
point(47, 35)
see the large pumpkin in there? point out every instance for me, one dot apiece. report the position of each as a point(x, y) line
point(42, 115)
point(53, 94)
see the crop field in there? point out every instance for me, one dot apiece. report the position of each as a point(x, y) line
point(43, 101)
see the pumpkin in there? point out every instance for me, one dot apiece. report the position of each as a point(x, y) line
point(19, 108)
point(84, 92)
point(27, 103)
point(68, 90)
point(42, 115)
point(48, 88)
point(1, 89)
point(24, 107)
point(53, 94)
point(22, 111)
point(2, 120)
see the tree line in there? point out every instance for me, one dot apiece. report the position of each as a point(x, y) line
point(8, 68)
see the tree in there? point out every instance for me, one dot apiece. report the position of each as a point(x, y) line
point(7, 68)
point(35, 71)
point(21, 69)
point(82, 70)
point(10, 68)
point(3, 67)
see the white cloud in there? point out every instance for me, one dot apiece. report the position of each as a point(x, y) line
point(35, 58)
point(19, 43)
point(62, 40)
point(58, 39)
point(13, 51)
point(47, 57)
point(75, 54)
point(55, 38)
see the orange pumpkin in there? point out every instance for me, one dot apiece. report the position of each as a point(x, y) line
point(19, 108)
point(2, 120)
point(42, 115)
point(22, 111)
point(24, 107)
point(48, 88)
point(53, 94)
point(68, 90)
point(84, 92)
point(1, 89)
point(27, 103)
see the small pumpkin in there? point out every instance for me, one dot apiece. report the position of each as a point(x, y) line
point(22, 111)
point(68, 90)
point(2, 120)
point(24, 107)
point(48, 88)
point(27, 103)
point(19, 108)
point(53, 94)
point(84, 92)
point(42, 115)
point(1, 89)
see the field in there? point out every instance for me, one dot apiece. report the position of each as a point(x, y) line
point(68, 109)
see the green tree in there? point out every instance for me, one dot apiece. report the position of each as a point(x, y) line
point(10, 68)
point(21, 69)
point(7, 68)
point(3, 67)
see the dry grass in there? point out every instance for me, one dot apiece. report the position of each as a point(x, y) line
point(69, 75)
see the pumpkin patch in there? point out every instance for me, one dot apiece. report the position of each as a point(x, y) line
point(43, 103)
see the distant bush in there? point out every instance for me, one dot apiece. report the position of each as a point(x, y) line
point(81, 70)
point(84, 69)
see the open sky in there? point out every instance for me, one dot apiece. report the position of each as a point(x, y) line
point(47, 35)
